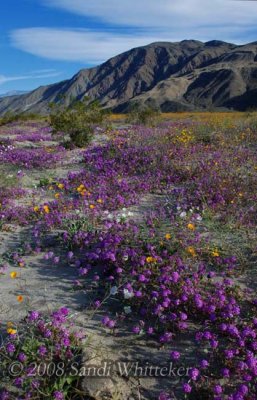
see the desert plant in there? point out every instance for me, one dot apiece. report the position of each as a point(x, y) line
point(10, 117)
point(77, 120)
point(143, 116)
point(37, 357)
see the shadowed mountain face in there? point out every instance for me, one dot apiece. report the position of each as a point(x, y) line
point(188, 75)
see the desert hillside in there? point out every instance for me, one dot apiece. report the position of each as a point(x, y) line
point(187, 75)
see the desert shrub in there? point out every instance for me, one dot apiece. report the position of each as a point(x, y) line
point(143, 116)
point(249, 122)
point(204, 133)
point(10, 117)
point(45, 181)
point(77, 120)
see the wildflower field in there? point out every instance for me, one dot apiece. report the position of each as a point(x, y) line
point(140, 248)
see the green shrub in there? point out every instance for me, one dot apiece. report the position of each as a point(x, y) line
point(77, 120)
point(143, 116)
point(14, 117)
point(205, 133)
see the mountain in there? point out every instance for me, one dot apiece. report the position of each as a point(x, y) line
point(187, 75)
point(13, 93)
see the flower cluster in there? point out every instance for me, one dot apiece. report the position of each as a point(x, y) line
point(36, 357)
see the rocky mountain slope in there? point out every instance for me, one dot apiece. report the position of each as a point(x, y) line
point(13, 93)
point(187, 75)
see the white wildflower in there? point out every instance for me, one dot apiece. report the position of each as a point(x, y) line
point(127, 310)
point(114, 290)
point(127, 294)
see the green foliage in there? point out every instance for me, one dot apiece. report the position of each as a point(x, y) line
point(73, 226)
point(45, 181)
point(144, 116)
point(204, 133)
point(14, 117)
point(77, 120)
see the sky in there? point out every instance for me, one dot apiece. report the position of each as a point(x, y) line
point(46, 41)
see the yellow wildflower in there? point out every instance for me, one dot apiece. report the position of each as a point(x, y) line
point(190, 250)
point(215, 253)
point(80, 188)
point(20, 298)
point(11, 331)
point(57, 195)
point(191, 227)
point(150, 259)
point(92, 206)
point(36, 208)
point(13, 274)
point(46, 209)
point(168, 236)
point(100, 201)
point(60, 185)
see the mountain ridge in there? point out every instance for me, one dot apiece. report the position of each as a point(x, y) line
point(173, 76)
point(13, 93)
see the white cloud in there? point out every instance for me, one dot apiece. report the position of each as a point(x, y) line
point(75, 45)
point(148, 20)
point(44, 71)
point(162, 14)
point(35, 75)
point(92, 47)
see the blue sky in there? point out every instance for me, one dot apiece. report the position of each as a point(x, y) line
point(45, 41)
